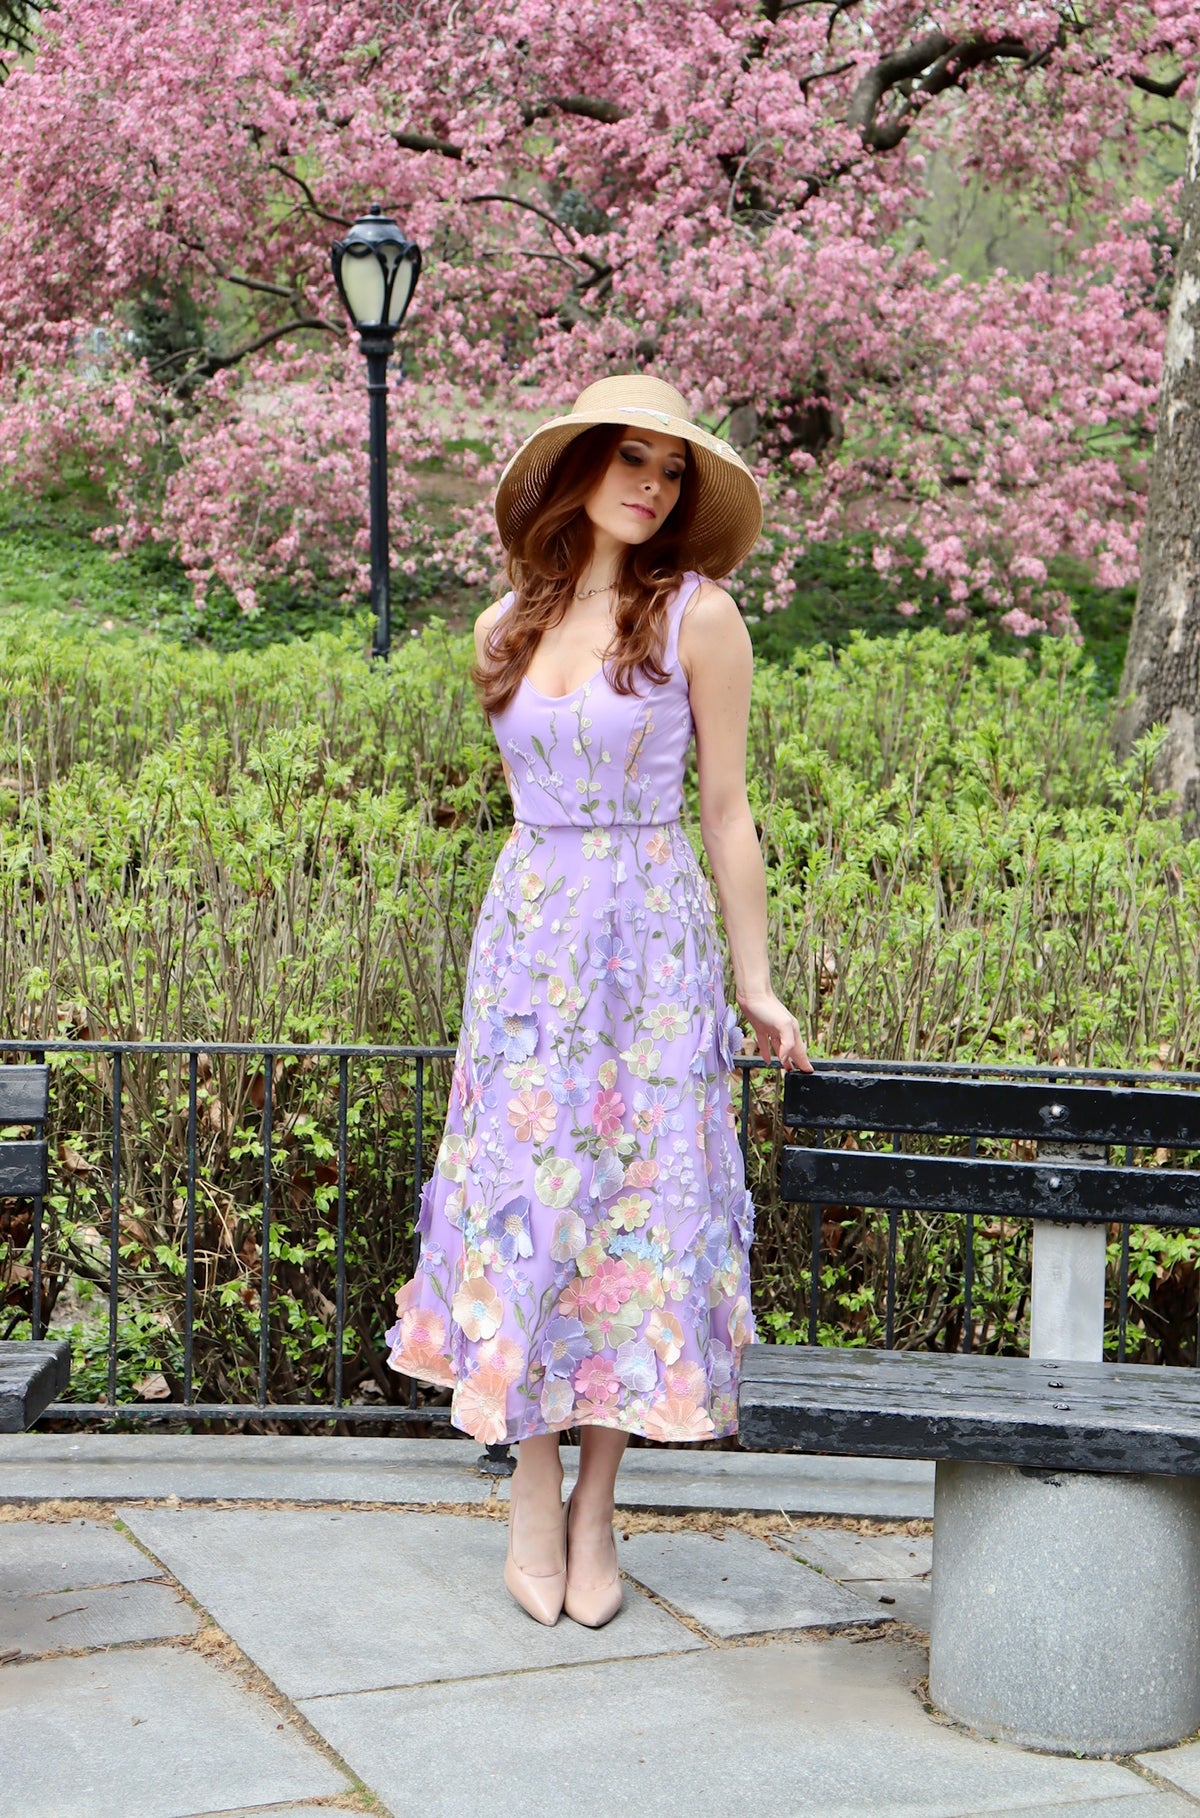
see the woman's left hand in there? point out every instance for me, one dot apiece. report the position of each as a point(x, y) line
point(776, 1031)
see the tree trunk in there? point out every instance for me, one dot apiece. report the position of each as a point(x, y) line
point(1161, 683)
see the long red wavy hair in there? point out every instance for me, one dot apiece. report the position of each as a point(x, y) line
point(545, 562)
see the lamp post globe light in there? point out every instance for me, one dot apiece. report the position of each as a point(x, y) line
point(376, 269)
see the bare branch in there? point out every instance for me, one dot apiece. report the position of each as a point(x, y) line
point(901, 66)
point(288, 292)
point(213, 363)
point(421, 142)
point(270, 290)
point(1166, 89)
point(940, 63)
point(322, 214)
point(16, 28)
point(598, 265)
point(585, 106)
point(535, 208)
point(823, 75)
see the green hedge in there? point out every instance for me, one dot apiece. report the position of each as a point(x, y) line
point(291, 845)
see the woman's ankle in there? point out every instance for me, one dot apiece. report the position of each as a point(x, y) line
point(539, 1477)
point(592, 1511)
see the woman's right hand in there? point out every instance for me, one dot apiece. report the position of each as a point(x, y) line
point(776, 1030)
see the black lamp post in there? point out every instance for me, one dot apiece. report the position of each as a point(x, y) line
point(376, 269)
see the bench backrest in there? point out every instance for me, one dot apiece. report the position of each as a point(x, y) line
point(24, 1097)
point(1068, 1188)
point(1052, 1187)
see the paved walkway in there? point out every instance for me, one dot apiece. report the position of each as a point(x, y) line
point(192, 1626)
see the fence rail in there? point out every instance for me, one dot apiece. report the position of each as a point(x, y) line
point(120, 1057)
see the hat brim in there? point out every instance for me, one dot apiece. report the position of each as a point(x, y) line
point(727, 520)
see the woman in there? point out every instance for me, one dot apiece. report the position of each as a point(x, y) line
point(586, 1230)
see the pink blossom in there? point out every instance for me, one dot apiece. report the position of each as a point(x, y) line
point(718, 217)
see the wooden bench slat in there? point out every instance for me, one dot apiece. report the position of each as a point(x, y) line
point(22, 1169)
point(24, 1094)
point(1002, 1410)
point(31, 1377)
point(1050, 1190)
point(1146, 1116)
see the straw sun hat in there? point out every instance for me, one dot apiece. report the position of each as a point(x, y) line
point(728, 514)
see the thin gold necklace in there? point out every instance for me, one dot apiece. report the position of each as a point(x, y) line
point(594, 590)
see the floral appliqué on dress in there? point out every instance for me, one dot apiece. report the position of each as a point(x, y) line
point(586, 1230)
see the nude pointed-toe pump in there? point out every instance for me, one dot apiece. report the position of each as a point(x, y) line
point(540, 1594)
point(593, 1608)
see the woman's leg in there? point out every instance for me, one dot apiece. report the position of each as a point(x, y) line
point(591, 1555)
point(537, 1486)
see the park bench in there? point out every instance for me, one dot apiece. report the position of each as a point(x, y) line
point(32, 1374)
point(1066, 1555)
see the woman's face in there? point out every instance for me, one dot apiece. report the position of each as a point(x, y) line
point(639, 488)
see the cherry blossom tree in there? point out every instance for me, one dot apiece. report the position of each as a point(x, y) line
point(726, 192)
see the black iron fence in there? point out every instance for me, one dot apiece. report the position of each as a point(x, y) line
point(328, 1144)
point(186, 1102)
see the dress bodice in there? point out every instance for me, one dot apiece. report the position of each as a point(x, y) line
point(596, 758)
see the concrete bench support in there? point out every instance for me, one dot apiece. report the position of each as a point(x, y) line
point(1066, 1607)
point(1066, 1604)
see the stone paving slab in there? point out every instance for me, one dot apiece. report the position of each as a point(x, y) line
point(813, 1729)
point(872, 1567)
point(100, 1618)
point(738, 1586)
point(38, 1556)
point(1181, 1766)
point(151, 1733)
point(327, 1603)
point(207, 1467)
point(1151, 1804)
point(905, 1599)
point(844, 1555)
point(283, 1811)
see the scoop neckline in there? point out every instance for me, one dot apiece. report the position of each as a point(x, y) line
point(555, 700)
point(571, 693)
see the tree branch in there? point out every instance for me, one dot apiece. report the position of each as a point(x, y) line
point(940, 63)
point(15, 28)
point(587, 108)
point(901, 66)
point(535, 208)
point(1166, 89)
point(421, 142)
point(213, 363)
point(322, 214)
point(270, 290)
point(289, 294)
point(823, 75)
point(598, 265)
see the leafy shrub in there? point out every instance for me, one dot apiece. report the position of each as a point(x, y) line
point(292, 844)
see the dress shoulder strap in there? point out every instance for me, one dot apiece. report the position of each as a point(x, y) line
point(687, 592)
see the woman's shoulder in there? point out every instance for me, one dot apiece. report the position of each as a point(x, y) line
point(711, 630)
point(708, 603)
point(487, 618)
point(491, 615)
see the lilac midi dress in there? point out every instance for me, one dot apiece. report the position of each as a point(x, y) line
point(585, 1233)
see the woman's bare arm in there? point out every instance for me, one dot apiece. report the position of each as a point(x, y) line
point(715, 653)
point(483, 627)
